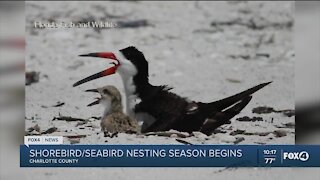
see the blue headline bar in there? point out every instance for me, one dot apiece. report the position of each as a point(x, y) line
point(170, 156)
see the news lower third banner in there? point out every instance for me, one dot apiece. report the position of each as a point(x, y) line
point(170, 155)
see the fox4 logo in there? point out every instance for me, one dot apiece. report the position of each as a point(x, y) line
point(302, 156)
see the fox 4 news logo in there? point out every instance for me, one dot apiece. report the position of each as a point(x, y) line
point(302, 156)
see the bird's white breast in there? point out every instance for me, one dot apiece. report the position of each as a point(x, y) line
point(127, 71)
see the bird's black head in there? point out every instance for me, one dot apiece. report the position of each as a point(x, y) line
point(129, 62)
point(132, 53)
point(137, 58)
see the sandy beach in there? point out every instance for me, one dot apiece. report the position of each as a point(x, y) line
point(224, 51)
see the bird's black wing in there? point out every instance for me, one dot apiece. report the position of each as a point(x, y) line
point(223, 117)
point(229, 101)
point(220, 112)
point(167, 107)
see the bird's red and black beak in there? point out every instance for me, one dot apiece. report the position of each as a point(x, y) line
point(107, 72)
point(97, 99)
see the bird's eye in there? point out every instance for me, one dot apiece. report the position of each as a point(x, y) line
point(105, 91)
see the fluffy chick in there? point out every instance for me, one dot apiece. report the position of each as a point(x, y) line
point(114, 120)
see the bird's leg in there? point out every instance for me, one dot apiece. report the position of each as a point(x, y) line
point(115, 134)
point(109, 134)
point(106, 134)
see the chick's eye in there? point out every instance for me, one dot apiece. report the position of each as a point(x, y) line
point(106, 92)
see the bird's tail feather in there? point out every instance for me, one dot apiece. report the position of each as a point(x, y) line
point(224, 117)
point(229, 101)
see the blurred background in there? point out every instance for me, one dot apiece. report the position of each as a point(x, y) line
point(12, 111)
point(307, 45)
point(12, 79)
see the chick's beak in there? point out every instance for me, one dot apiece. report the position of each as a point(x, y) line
point(95, 102)
point(92, 90)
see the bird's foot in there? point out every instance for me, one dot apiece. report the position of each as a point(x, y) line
point(110, 135)
point(115, 134)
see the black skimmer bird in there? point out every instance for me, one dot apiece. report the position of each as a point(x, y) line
point(157, 107)
point(113, 119)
